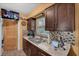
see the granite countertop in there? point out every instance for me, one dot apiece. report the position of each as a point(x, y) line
point(49, 49)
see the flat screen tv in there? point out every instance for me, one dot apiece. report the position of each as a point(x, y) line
point(8, 14)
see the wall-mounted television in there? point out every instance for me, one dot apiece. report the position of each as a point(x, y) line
point(8, 14)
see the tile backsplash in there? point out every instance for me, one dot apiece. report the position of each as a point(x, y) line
point(67, 37)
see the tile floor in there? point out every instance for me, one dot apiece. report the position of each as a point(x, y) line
point(14, 53)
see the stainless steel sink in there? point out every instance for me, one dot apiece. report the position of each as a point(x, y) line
point(35, 40)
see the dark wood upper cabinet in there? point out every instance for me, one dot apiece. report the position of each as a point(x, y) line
point(50, 19)
point(60, 17)
point(65, 17)
point(31, 24)
point(28, 24)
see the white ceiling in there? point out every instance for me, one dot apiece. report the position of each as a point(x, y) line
point(24, 8)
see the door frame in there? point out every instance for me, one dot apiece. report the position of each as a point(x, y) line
point(18, 45)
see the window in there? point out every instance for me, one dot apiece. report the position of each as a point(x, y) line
point(40, 26)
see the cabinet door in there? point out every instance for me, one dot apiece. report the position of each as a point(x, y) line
point(65, 17)
point(50, 19)
point(71, 16)
point(28, 24)
point(25, 46)
point(42, 53)
point(31, 24)
point(34, 51)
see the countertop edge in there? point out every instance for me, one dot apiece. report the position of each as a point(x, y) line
point(43, 49)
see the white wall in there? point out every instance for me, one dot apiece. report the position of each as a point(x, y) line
point(1, 35)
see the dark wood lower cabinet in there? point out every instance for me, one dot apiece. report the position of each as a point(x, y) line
point(32, 50)
point(42, 53)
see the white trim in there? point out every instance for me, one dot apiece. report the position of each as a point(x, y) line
point(19, 35)
point(1, 35)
